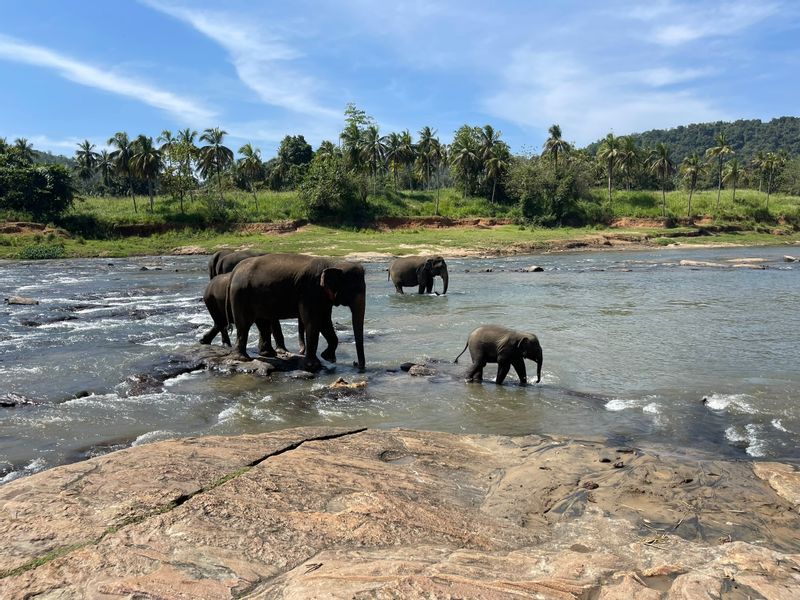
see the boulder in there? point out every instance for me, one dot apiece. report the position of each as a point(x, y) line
point(533, 269)
point(700, 263)
point(421, 371)
point(21, 300)
point(788, 258)
point(359, 513)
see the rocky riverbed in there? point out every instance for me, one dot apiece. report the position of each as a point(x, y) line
point(354, 513)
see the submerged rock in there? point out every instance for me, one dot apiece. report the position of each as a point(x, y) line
point(788, 258)
point(335, 513)
point(421, 371)
point(21, 300)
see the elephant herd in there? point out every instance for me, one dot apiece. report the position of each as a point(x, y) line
point(248, 288)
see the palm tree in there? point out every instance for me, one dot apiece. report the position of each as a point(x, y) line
point(661, 164)
point(758, 162)
point(186, 138)
point(719, 152)
point(105, 165)
point(251, 167)
point(497, 164)
point(146, 162)
point(86, 158)
point(24, 150)
point(393, 154)
point(214, 157)
point(732, 173)
point(464, 156)
point(609, 152)
point(772, 163)
point(122, 159)
point(427, 137)
point(555, 145)
point(327, 149)
point(488, 139)
point(630, 159)
point(407, 153)
point(692, 168)
point(373, 149)
point(351, 146)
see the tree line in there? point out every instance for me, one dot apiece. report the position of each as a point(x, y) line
point(334, 181)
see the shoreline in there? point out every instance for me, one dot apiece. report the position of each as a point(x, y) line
point(317, 511)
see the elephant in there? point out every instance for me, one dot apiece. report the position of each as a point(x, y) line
point(418, 270)
point(214, 298)
point(225, 261)
point(507, 348)
point(277, 286)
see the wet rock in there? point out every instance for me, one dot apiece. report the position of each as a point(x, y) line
point(143, 269)
point(342, 384)
point(406, 366)
point(300, 374)
point(788, 258)
point(12, 400)
point(21, 300)
point(700, 263)
point(421, 371)
point(784, 479)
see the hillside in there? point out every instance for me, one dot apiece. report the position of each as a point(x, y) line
point(747, 137)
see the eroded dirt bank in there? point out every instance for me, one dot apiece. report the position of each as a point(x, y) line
point(332, 513)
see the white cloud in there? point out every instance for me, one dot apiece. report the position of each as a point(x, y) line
point(674, 24)
point(665, 76)
point(91, 76)
point(259, 56)
point(540, 89)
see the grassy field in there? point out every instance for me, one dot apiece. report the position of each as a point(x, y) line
point(189, 228)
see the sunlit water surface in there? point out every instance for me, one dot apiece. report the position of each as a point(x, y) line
point(633, 343)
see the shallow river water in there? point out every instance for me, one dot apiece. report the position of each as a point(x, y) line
point(633, 344)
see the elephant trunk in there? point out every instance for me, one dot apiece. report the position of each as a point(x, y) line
point(445, 278)
point(539, 367)
point(357, 310)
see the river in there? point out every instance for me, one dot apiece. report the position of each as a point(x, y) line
point(637, 349)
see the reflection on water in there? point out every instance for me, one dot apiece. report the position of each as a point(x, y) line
point(633, 344)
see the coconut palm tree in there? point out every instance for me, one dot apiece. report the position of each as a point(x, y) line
point(373, 149)
point(732, 173)
point(327, 149)
point(555, 145)
point(251, 167)
point(660, 163)
point(488, 139)
point(465, 156)
point(757, 164)
point(497, 164)
point(692, 168)
point(105, 166)
point(214, 157)
point(407, 153)
point(393, 154)
point(86, 158)
point(146, 162)
point(630, 159)
point(427, 137)
point(351, 146)
point(24, 150)
point(122, 159)
point(609, 153)
point(719, 151)
point(772, 162)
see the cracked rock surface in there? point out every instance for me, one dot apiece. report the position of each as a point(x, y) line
point(337, 513)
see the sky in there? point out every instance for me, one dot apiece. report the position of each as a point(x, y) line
point(262, 70)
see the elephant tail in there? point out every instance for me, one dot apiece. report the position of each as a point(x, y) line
point(228, 307)
point(455, 362)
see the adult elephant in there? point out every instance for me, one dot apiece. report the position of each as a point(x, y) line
point(225, 261)
point(418, 271)
point(507, 348)
point(275, 286)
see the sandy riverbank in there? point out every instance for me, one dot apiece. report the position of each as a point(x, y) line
point(323, 513)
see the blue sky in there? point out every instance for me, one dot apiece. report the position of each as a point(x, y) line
point(75, 70)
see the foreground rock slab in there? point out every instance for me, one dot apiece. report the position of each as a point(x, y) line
point(335, 513)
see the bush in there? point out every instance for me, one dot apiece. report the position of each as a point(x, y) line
point(43, 191)
point(42, 251)
point(330, 192)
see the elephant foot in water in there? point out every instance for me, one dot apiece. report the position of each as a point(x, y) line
point(239, 356)
point(310, 364)
point(329, 355)
point(268, 352)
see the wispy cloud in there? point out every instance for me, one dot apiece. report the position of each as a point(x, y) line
point(541, 88)
point(96, 77)
point(674, 24)
point(261, 58)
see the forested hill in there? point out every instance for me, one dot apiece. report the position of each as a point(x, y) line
point(747, 137)
point(48, 158)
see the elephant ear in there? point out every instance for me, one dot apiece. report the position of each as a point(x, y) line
point(331, 282)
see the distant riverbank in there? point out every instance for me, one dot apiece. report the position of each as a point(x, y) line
point(463, 237)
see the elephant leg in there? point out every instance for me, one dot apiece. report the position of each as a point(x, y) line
point(264, 342)
point(398, 288)
point(519, 366)
point(210, 335)
point(301, 332)
point(277, 333)
point(502, 371)
point(475, 372)
point(421, 288)
point(310, 362)
point(242, 331)
point(225, 339)
point(329, 333)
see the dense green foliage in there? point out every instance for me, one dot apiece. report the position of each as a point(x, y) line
point(29, 189)
point(746, 137)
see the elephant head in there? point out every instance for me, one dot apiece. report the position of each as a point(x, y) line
point(432, 267)
point(344, 285)
point(531, 349)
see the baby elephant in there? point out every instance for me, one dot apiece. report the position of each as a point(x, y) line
point(214, 298)
point(507, 348)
